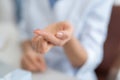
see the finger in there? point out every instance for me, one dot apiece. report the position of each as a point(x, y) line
point(65, 30)
point(36, 44)
point(22, 63)
point(42, 62)
point(39, 47)
point(38, 41)
point(50, 38)
point(41, 65)
point(33, 42)
point(33, 60)
point(37, 31)
point(28, 65)
point(36, 36)
point(42, 46)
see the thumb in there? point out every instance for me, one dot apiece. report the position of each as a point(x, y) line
point(62, 35)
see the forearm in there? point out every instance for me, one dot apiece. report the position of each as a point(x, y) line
point(75, 52)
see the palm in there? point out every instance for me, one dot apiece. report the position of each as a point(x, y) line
point(51, 32)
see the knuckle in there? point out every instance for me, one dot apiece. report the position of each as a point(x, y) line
point(66, 23)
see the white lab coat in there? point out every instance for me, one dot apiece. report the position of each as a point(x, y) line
point(90, 20)
point(6, 7)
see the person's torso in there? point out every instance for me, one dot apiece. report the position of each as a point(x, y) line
point(40, 14)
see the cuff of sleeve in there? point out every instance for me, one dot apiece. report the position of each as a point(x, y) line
point(92, 62)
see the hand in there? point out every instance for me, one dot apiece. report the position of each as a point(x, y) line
point(54, 35)
point(33, 62)
point(40, 45)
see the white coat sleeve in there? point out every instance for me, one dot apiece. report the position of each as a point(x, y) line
point(94, 34)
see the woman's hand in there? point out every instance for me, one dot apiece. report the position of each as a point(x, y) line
point(32, 61)
point(60, 34)
point(54, 35)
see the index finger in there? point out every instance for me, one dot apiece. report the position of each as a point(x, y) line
point(50, 38)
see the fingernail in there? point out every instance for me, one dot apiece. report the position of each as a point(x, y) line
point(60, 34)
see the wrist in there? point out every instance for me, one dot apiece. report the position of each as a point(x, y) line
point(69, 42)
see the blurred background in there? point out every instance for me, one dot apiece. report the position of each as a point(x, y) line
point(9, 41)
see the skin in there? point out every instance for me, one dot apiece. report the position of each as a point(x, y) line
point(61, 34)
point(54, 35)
point(58, 34)
point(31, 60)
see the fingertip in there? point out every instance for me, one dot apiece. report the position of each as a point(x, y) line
point(37, 31)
